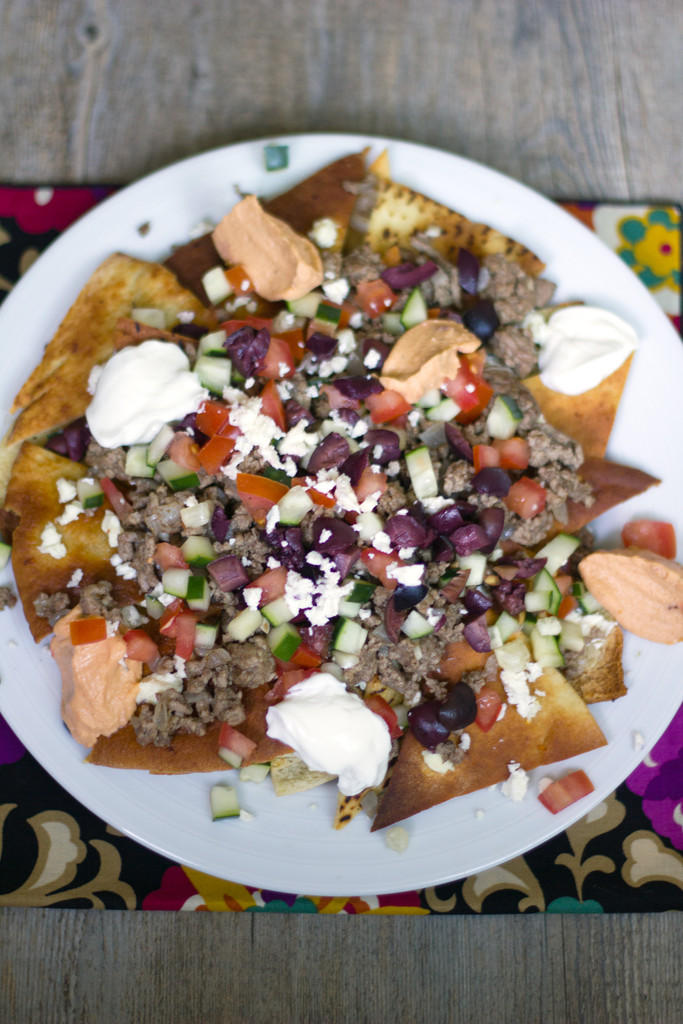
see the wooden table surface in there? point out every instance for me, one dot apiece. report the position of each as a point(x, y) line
point(578, 98)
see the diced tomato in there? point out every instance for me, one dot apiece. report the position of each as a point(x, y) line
point(379, 563)
point(183, 450)
point(348, 310)
point(564, 792)
point(485, 455)
point(324, 500)
point(563, 582)
point(271, 404)
point(272, 583)
point(374, 297)
point(387, 405)
point(212, 416)
point(239, 280)
point(286, 679)
point(88, 630)
point(526, 497)
point(304, 657)
point(337, 400)
point(295, 340)
point(216, 452)
point(168, 556)
point(185, 626)
point(567, 605)
point(652, 535)
point(514, 453)
point(475, 361)
point(259, 494)
point(141, 647)
point(236, 741)
point(370, 483)
point(433, 313)
point(469, 390)
point(489, 704)
point(379, 706)
point(167, 622)
point(116, 499)
point(257, 322)
point(278, 362)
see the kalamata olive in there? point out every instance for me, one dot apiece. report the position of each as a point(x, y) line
point(459, 709)
point(425, 724)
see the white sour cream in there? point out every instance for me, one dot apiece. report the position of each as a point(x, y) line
point(580, 346)
point(332, 731)
point(139, 390)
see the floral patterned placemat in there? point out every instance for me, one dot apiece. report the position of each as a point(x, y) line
point(626, 855)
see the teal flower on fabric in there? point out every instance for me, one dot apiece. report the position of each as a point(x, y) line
point(301, 905)
point(652, 248)
point(569, 905)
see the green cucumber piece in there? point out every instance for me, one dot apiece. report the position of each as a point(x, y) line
point(90, 494)
point(587, 602)
point(445, 411)
point(415, 310)
point(284, 641)
point(362, 590)
point(198, 551)
point(275, 158)
point(211, 344)
point(197, 516)
point(224, 803)
point(157, 447)
point(254, 773)
point(344, 660)
point(504, 418)
point(348, 636)
point(416, 626)
point(175, 581)
point(278, 611)
point(571, 636)
point(430, 398)
point(205, 634)
point(557, 551)
point(214, 372)
point(5, 552)
point(245, 624)
point(391, 323)
point(154, 607)
point(506, 625)
point(476, 563)
point(349, 609)
point(198, 595)
point(422, 475)
point(543, 582)
point(294, 506)
point(177, 477)
point(307, 305)
point(278, 475)
point(150, 317)
point(328, 314)
point(136, 461)
point(216, 285)
point(546, 650)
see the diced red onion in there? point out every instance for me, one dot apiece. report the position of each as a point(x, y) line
point(375, 345)
point(393, 620)
point(192, 331)
point(407, 597)
point(454, 588)
point(220, 524)
point(491, 480)
point(406, 532)
point(510, 596)
point(321, 345)
point(468, 539)
point(458, 443)
point(492, 520)
point(459, 709)
point(345, 560)
point(247, 349)
point(295, 412)
point(228, 573)
point(477, 634)
point(482, 320)
point(331, 452)
point(446, 520)
point(288, 546)
point(387, 441)
point(468, 271)
point(477, 600)
point(318, 638)
point(425, 725)
point(332, 536)
point(407, 275)
point(355, 465)
point(358, 387)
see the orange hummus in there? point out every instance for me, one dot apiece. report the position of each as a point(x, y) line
point(425, 356)
point(280, 263)
point(99, 684)
point(643, 591)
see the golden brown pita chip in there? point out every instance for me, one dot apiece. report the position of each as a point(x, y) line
point(596, 672)
point(33, 496)
point(254, 727)
point(57, 390)
point(186, 753)
point(589, 417)
point(400, 212)
point(612, 483)
point(381, 167)
point(291, 775)
point(349, 806)
point(564, 727)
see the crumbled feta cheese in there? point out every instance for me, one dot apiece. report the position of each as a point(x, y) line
point(433, 231)
point(359, 428)
point(252, 596)
point(516, 785)
point(346, 341)
point(434, 616)
point(126, 571)
point(319, 600)
point(66, 490)
point(479, 814)
point(257, 431)
point(548, 625)
point(76, 577)
point(179, 665)
point(246, 561)
point(406, 552)
point(544, 783)
point(273, 563)
point(272, 518)
point(298, 442)
point(593, 623)
point(51, 542)
point(185, 316)
point(155, 684)
point(315, 558)
point(72, 511)
point(364, 613)
point(324, 233)
point(246, 815)
point(407, 575)
point(356, 320)
point(465, 741)
point(330, 367)
point(516, 686)
point(382, 541)
point(393, 468)
point(638, 740)
point(284, 389)
point(372, 359)
point(436, 763)
point(397, 839)
point(414, 417)
point(249, 383)
point(432, 505)
point(337, 290)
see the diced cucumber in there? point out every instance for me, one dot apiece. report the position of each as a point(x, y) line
point(445, 411)
point(571, 636)
point(513, 656)
point(177, 477)
point(254, 773)
point(546, 650)
point(278, 475)
point(5, 552)
point(205, 634)
point(214, 372)
point(349, 609)
point(543, 581)
point(362, 590)
point(307, 305)
point(504, 417)
point(430, 398)
point(538, 600)
point(294, 505)
point(476, 563)
point(391, 323)
point(245, 624)
point(278, 611)
point(368, 524)
point(212, 344)
point(90, 494)
point(136, 461)
point(415, 310)
point(587, 602)
point(229, 756)
point(275, 158)
point(506, 625)
point(224, 803)
point(155, 608)
point(416, 626)
point(175, 581)
point(198, 551)
point(422, 475)
point(328, 314)
point(348, 637)
point(216, 285)
point(529, 623)
point(557, 551)
point(194, 516)
point(198, 595)
point(150, 317)
point(344, 660)
point(284, 641)
point(156, 449)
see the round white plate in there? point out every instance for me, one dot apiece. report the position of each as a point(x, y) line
point(290, 844)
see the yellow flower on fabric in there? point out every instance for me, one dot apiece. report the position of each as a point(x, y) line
point(652, 247)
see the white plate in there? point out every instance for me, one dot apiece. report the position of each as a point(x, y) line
point(290, 844)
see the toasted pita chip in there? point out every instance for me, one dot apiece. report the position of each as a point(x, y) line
point(189, 263)
point(291, 775)
point(596, 672)
point(589, 417)
point(321, 196)
point(349, 806)
point(32, 495)
point(57, 391)
point(254, 727)
point(381, 167)
point(612, 483)
point(400, 212)
point(563, 728)
point(186, 753)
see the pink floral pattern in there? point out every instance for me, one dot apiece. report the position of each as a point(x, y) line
point(659, 780)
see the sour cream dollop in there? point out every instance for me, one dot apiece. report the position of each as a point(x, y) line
point(139, 390)
point(580, 347)
point(332, 731)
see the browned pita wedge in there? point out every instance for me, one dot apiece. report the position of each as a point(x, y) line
point(254, 727)
point(186, 754)
point(32, 495)
point(189, 263)
point(612, 483)
point(563, 728)
point(57, 390)
point(400, 212)
point(596, 672)
point(589, 417)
